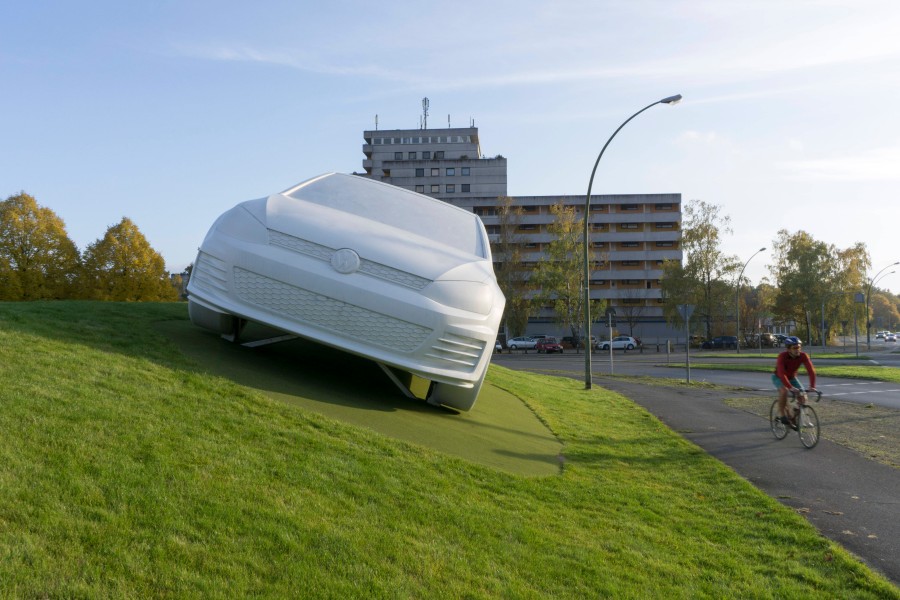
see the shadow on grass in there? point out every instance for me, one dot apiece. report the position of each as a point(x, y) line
point(500, 431)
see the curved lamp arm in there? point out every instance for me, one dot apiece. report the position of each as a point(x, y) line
point(587, 266)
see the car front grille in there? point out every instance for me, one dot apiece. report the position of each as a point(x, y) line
point(348, 320)
point(209, 272)
point(457, 350)
point(366, 266)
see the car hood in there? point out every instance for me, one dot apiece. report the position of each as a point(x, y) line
point(381, 223)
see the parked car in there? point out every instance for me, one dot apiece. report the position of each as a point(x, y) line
point(569, 342)
point(722, 341)
point(523, 343)
point(400, 278)
point(621, 342)
point(891, 337)
point(548, 345)
point(768, 340)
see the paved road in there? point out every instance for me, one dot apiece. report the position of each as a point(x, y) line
point(655, 364)
point(850, 499)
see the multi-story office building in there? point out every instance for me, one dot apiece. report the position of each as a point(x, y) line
point(631, 234)
point(444, 163)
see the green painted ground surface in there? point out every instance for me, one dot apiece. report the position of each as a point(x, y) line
point(500, 431)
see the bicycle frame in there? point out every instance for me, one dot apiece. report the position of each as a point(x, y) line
point(803, 418)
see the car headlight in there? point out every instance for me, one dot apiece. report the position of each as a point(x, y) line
point(243, 223)
point(472, 296)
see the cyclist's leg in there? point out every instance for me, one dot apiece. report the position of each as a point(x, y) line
point(793, 414)
point(782, 395)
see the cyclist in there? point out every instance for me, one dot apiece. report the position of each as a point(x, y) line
point(785, 378)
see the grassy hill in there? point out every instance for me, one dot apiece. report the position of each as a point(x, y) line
point(131, 466)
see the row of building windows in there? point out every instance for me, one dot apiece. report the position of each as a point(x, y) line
point(635, 245)
point(448, 172)
point(450, 188)
point(534, 227)
point(491, 211)
point(426, 155)
point(424, 139)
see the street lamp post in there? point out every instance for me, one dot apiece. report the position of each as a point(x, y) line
point(587, 265)
point(737, 304)
point(868, 291)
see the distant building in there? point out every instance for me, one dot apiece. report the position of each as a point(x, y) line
point(635, 232)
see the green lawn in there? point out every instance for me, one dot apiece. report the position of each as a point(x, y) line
point(129, 468)
point(869, 372)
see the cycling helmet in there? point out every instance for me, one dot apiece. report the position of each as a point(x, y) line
point(792, 341)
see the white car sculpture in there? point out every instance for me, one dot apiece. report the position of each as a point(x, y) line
point(370, 268)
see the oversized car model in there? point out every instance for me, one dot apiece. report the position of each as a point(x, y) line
point(373, 269)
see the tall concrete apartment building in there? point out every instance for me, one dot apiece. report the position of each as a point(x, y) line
point(634, 233)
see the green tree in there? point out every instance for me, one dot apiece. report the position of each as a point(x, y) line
point(809, 272)
point(559, 276)
point(511, 275)
point(838, 306)
point(704, 278)
point(37, 258)
point(884, 310)
point(123, 267)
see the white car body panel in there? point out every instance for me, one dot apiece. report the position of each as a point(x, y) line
point(395, 276)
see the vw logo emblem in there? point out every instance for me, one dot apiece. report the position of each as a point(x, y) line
point(345, 261)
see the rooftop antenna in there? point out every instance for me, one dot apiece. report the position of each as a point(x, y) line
point(376, 122)
point(448, 121)
point(425, 113)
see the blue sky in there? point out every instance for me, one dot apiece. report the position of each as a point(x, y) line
point(171, 112)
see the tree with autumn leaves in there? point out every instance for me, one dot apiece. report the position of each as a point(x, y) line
point(38, 260)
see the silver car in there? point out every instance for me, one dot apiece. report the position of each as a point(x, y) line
point(620, 342)
point(523, 343)
point(382, 272)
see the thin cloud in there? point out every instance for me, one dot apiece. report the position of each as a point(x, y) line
point(879, 164)
point(283, 58)
point(742, 51)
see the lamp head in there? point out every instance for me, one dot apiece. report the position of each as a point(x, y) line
point(671, 99)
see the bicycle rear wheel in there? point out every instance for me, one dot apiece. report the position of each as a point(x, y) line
point(779, 429)
point(808, 426)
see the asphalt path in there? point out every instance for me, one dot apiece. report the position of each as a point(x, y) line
point(674, 366)
point(849, 498)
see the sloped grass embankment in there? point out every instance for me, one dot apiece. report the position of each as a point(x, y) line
point(129, 470)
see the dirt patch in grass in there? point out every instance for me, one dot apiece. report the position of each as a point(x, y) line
point(869, 429)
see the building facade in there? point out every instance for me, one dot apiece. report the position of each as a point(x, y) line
point(631, 234)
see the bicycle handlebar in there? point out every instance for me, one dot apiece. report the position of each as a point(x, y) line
point(807, 391)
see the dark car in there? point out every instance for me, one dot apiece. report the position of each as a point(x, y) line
point(569, 342)
point(722, 341)
point(548, 345)
point(768, 339)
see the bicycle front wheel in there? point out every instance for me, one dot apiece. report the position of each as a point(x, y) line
point(808, 426)
point(779, 429)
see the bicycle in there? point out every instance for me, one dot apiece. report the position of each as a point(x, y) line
point(804, 418)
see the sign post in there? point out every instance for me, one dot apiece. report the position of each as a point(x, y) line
point(686, 310)
point(611, 323)
point(859, 298)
